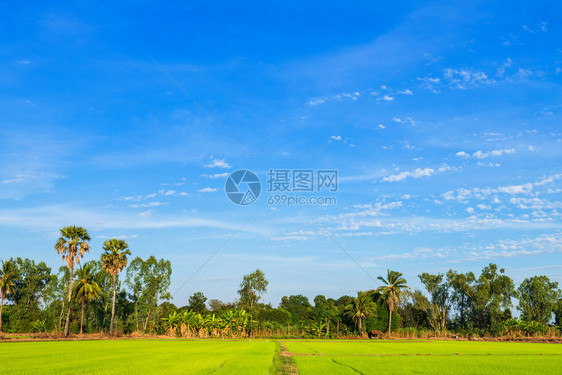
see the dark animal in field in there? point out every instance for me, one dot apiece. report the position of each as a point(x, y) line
point(374, 333)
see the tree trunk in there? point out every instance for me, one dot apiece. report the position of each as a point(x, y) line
point(389, 321)
point(82, 316)
point(1, 306)
point(113, 307)
point(337, 328)
point(67, 325)
point(146, 321)
point(61, 314)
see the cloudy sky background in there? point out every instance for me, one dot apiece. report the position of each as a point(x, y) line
point(453, 161)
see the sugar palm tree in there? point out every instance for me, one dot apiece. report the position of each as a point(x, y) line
point(8, 273)
point(360, 308)
point(86, 288)
point(114, 259)
point(72, 245)
point(392, 292)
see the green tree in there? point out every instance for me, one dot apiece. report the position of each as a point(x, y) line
point(360, 308)
point(114, 259)
point(298, 306)
point(8, 274)
point(33, 278)
point(538, 297)
point(437, 308)
point(72, 245)
point(252, 287)
point(86, 288)
point(462, 292)
point(392, 292)
point(151, 278)
point(196, 302)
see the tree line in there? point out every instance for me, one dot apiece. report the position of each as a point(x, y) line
point(115, 294)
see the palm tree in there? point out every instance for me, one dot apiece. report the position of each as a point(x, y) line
point(86, 288)
point(8, 273)
point(114, 259)
point(392, 292)
point(72, 245)
point(360, 308)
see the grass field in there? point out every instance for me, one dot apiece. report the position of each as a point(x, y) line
point(138, 357)
point(438, 357)
point(257, 357)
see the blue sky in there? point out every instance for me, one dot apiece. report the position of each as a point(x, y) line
point(453, 162)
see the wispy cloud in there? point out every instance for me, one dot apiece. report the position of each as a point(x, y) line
point(218, 163)
point(483, 155)
point(207, 190)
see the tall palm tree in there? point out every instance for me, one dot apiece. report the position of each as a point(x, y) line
point(8, 273)
point(392, 292)
point(360, 308)
point(114, 259)
point(86, 288)
point(72, 245)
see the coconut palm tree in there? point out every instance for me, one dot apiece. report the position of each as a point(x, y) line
point(86, 288)
point(392, 292)
point(114, 259)
point(8, 273)
point(72, 245)
point(360, 308)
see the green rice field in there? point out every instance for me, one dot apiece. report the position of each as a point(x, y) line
point(260, 357)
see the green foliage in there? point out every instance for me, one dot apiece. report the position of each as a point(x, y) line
point(360, 308)
point(197, 301)
point(29, 286)
point(437, 308)
point(39, 326)
point(538, 299)
point(252, 287)
point(298, 306)
point(280, 316)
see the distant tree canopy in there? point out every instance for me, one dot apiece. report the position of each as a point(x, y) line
point(252, 287)
point(538, 299)
point(197, 302)
point(132, 295)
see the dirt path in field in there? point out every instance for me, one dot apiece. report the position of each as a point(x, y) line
point(285, 362)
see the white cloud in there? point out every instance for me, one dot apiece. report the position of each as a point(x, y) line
point(462, 78)
point(381, 126)
point(516, 189)
point(149, 204)
point(315, 102)
point(502, 68)
point(407, 120)
point(217, 175)
point(483, 155)
point(336, 97)
point(146, 213)
point(336, 137)
point(387, 98)
point(207, 190)
point(416, 173)
point(218, 163)
point(406, 92)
